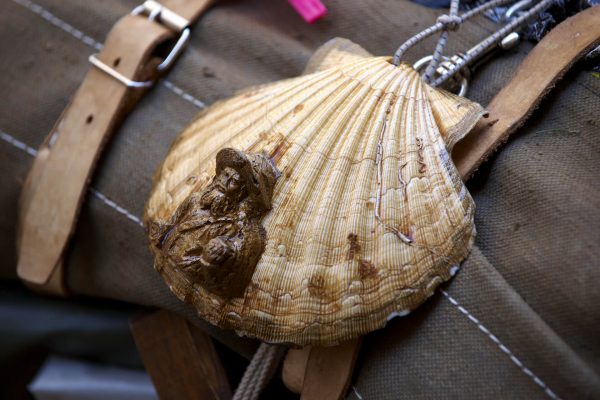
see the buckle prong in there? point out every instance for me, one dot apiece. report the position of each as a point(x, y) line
point(162, 15)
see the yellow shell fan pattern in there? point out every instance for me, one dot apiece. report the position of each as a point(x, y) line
point(369, 215)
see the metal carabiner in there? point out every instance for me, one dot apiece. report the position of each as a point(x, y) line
point(444, 66)
point(516, 8)
point(449, 63)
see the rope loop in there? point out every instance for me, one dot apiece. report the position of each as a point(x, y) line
point(450, 22)
point(447, 22)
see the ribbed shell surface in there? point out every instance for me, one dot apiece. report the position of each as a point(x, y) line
point(369, 215)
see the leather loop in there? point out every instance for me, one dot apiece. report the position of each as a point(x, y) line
point(57, 182)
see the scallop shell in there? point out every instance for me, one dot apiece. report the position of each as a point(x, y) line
point(368, 216)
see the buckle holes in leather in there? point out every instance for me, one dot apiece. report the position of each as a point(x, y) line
point(116, 62)
point(89, 119)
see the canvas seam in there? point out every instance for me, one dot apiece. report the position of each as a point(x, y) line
point(115, 206)
point(18, 144)
point(77, 34)
point(100, 196)
point(183, 94)
point(54, 20)
point(502, 347)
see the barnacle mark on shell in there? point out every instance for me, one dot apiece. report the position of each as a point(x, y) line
point(369, 214)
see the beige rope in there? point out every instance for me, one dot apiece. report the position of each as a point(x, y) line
point(259, 372)
point(452, 22)
point(440, 26)
point(492, 40)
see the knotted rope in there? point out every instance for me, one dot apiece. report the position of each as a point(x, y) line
point(439, 25)
point(452, 22)
point(492, 40)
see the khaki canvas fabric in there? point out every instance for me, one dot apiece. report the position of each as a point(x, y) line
point(521, 319)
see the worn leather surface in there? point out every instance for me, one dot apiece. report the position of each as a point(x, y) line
point(52, 195)
point(58, 180)
point(521, 319)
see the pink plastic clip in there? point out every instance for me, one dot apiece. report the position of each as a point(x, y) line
point(310, 10)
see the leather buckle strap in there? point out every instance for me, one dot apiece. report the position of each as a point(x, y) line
point(162, 15)
point(54, 189)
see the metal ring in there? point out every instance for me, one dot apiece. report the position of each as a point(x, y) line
point(516, 8)
point(155, 13)
point(420, 64)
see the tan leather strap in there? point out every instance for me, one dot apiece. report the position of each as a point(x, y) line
point(58, 180)
point(536, 76)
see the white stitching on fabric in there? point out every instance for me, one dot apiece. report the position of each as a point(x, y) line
point(18, 144)
point(502, 347)
point(33, 152)
point(48, 16)
point(186, 96)
point(115, 206)
point(358, 395)
point(77, 34)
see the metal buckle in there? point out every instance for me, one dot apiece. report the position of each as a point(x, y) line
point(162, 15)
point(117, 75)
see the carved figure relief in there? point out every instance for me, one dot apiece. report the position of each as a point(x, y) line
point(215, 236)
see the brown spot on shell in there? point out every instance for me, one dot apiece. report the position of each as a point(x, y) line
point(316, 285)
point(366, 269)
point(354, 246)
point(279, 150)
point(298, 108)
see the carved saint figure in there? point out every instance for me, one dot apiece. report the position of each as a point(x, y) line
point(215, 237)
